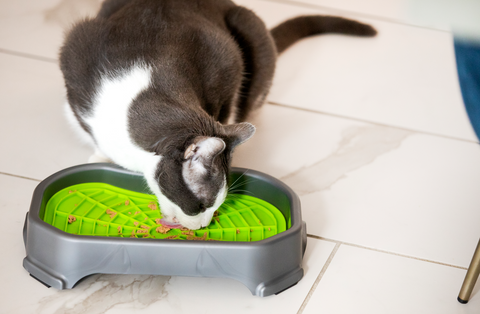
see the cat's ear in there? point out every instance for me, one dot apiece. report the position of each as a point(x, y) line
point(239, 133)
point(204, 149)
point(197, 166)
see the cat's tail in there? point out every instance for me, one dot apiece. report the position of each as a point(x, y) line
point(300, 27)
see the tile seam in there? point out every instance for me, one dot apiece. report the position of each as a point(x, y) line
point(355, 14)
point(20, 177)
point(319, 278)
point(27, 55)
point(289, 2)
point(385, 252)
point(370, 122)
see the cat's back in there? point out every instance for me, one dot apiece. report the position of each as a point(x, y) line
point(169, 50)
point(151, 32)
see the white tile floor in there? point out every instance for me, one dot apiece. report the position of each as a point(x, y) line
point(371, 133)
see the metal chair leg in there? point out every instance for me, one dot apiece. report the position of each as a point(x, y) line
point(471, 277)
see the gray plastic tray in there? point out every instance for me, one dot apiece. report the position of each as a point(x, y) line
point(60, 259)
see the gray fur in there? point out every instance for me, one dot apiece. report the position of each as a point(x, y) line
point(210, 59)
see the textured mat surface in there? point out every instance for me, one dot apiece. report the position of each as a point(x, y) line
point(100, 209)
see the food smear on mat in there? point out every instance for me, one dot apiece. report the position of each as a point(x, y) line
point(99, 209)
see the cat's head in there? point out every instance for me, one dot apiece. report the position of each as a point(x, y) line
point(191, 182)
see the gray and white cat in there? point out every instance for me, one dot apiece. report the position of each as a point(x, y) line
point(162, 87)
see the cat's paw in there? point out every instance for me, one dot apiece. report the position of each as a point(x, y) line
point(99, 157)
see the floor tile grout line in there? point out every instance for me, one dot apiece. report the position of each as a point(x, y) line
point(354, 13)
point(290, 2)
point(371, 122)
point(319, 277)
point(50, 60)
point(27, 55)
point(20, 177)
point(385, 252)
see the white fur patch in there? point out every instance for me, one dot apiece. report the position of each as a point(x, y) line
point(194, 169)
point(109, 121)
point(203, 219)
point(109, 126)
point(75, 125)
point(173, 213)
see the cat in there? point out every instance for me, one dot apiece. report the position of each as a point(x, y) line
point(164, 87)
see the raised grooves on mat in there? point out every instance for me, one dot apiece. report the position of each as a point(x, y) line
point(231, 224)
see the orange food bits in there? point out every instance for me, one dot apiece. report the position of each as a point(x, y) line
point(152, 205)
point(162, 229)
point(111, 213)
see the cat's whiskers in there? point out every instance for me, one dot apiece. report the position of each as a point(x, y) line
point(234, 187)
point(238, 178)
point(240, 184)
point(236, 192)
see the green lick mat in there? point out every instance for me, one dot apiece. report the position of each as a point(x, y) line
point(100, 209)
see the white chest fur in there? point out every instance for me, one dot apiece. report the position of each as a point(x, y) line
point(109, 121)
point(109, 126)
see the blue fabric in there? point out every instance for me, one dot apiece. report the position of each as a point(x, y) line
point(468, 67)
